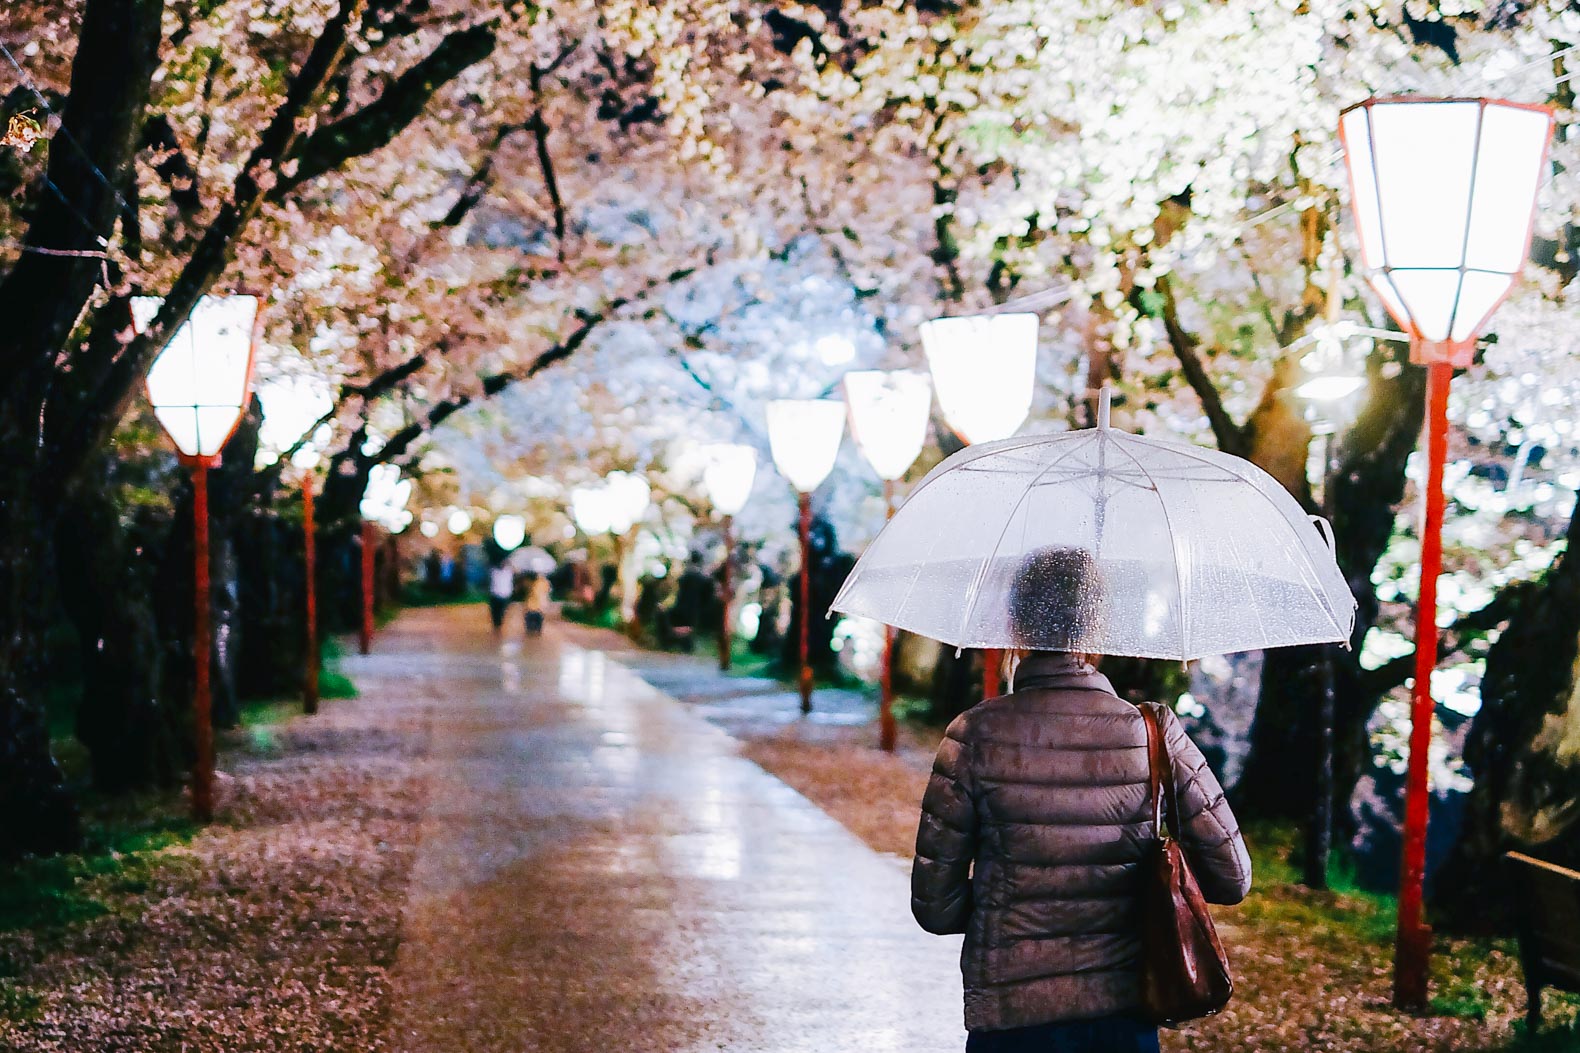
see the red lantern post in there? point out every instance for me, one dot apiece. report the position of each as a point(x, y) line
point(1414, 941)
point(310, 559)
point(202, 650)
point(726, 595)
point(199, 385)
point(805, 435)
point(1441, 261)
point(886, 724)
point(888, 418)
point(806, 602)
point(369, 545)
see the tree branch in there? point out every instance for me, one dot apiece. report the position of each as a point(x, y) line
point(373, 389)
point(1231, 437)
point(172, 164)
point(401, 442)
point(88, 429)
point(1394, 672)
point(482, 179)
point(402, 102)
point(43, 296)
point(540, 133)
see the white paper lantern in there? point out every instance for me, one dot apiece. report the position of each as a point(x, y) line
point(1443, 192)
point(591, 510)
point(731, 470)
point(458, 522)
point(628, 496)
point(804, 435)
point(888, 417)
point(984, 369)
point(384, 500)
point(201, 381)
point(510, 532)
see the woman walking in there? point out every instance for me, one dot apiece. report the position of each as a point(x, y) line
point(1035, 826)
point(501, 591)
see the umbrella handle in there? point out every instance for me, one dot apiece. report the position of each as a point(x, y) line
point(1325, 528)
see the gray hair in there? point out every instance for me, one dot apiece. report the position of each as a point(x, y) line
point(1054, 599)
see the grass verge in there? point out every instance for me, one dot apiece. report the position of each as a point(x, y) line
point(118, 855)
point(332, 683)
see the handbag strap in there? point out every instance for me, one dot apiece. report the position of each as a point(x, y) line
point(1160, 775)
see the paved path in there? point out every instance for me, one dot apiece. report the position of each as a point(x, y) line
point(600, 871)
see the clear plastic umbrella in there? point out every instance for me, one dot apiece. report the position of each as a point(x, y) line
point(532, 558)
point(1103, 542)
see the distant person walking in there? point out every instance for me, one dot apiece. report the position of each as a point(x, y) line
point(1034, 829)
point(501, 590)
point(537, 602)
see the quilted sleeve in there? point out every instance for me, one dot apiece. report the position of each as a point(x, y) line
point(1206, 828)
point(946, 840)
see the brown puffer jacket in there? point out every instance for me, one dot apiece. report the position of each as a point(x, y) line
point(1033, 830)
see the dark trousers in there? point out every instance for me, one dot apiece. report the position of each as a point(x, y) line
point(497, 606)
point(534, 622)
point(1109, 1034)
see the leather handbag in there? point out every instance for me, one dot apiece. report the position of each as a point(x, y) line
point(1184, 972)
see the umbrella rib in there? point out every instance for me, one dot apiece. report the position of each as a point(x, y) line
point(976, 585)
point(916, 574)
point(1179, 582)
point(1314, 579)
point(938, 471)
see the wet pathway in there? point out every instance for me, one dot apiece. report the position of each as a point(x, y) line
point(600, 871)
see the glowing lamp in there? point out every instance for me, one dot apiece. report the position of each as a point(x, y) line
point(200, 383)
point(804, 435)
point(729, 475)
point(985, 368)
point(292, 409)
point(1443, 192)
point(835, 349)
point(888, 417)
point(591, 509)
point(628, 496)
point(384, 500)
point(728, 478)
point(510, 532)
point(458, 522)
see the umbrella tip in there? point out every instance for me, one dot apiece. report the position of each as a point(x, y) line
point(1104, 398)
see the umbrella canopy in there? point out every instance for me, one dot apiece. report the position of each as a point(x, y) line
point(532, 558)
point(1103, 542)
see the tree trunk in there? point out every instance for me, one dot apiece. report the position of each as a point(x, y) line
point(130, 732)
point(1370, 482)
point(41, 299)
point(1523, 750)
point(339, 532)
point(830, 567)
point(272, 602)
point(39, 814)
point(956, 684)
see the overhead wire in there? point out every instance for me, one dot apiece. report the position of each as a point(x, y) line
point(62, 131)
